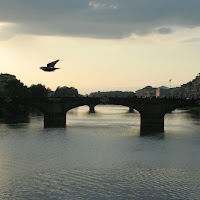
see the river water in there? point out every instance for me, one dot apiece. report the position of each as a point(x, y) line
point(101, 156)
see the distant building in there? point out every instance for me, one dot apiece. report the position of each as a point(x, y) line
point(163, 92)
point(4, 78)
point(176, 92)
point(188, 90)
point(148, 91)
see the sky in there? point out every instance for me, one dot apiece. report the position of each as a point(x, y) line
point(102, 45)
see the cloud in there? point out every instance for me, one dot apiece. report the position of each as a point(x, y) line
point(192, 40)
point(98, 18)
point(7, 30)
point(164, 30)
point(101, 5)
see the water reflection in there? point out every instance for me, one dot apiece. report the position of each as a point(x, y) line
point(194, 118)
point(18, 125)
point(155, 135)
point(16, 121)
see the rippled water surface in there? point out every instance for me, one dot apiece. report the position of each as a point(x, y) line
point(101, 156)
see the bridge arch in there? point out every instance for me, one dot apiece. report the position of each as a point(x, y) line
point(92, 107)
point(105, 115)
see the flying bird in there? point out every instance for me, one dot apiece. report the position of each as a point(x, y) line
point(50, 66)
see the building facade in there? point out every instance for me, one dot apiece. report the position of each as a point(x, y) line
point(148, 91)
point(189, 90)
point(162, 92)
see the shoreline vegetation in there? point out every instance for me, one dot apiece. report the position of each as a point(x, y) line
point(195, 110)
point(122, 94)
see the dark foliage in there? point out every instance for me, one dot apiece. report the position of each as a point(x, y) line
point(38, 90)
point(65, 92)
point(14, 88)
point(113, 94)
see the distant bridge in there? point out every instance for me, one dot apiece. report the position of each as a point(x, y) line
point(152, 111)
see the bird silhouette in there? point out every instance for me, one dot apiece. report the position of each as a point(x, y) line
point(50, 67)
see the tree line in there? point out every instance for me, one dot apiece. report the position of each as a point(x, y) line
point(119, 94)
point(16, 89)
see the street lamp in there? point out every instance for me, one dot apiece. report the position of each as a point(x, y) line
point(170, 83)
point(170, 87)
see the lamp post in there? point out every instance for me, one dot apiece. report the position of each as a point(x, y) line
point(170, 87)
point(170, 83)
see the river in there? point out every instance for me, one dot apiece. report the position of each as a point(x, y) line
point(101, 156)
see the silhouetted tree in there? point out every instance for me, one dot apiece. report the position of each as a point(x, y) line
point(38, 91)
point(65, 92)
point(14, 88)
point(113, 94)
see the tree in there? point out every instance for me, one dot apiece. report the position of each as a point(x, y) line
point(66, 92)
point(38, 91)
point(14, 88)
point(122, 94)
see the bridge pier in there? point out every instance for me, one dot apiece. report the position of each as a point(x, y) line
point(54, 120)
point(92, 110)
point(151, 122)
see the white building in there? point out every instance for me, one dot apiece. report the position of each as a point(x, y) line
point(148, 91)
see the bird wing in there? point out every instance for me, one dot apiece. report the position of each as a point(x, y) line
point(51, 64)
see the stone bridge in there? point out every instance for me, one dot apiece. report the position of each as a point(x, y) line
point(152, 111)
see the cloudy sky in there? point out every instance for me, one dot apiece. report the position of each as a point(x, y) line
point(101, 44)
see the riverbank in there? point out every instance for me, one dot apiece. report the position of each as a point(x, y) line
point(195, 110)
